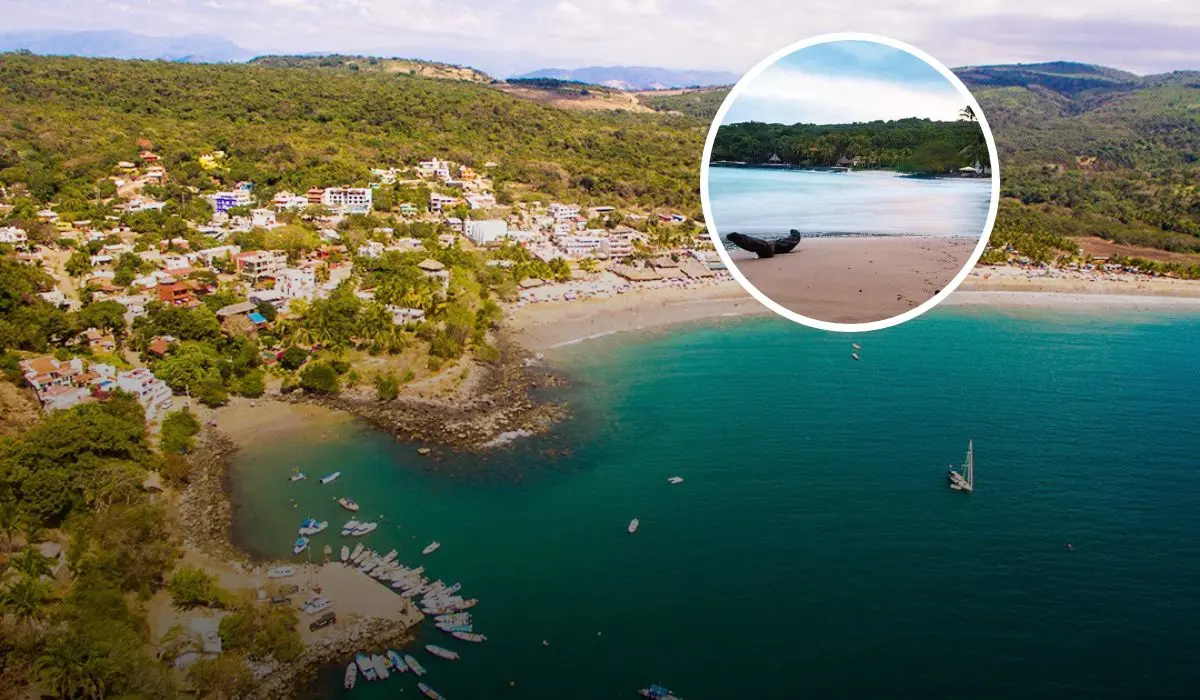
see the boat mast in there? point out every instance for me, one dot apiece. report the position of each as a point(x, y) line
point(971, 464)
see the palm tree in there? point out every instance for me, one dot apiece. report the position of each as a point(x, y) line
point(967, 113)
point(25, 599)
point(71, 670)
point(31, 563)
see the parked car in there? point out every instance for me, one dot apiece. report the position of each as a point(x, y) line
point(323, 621)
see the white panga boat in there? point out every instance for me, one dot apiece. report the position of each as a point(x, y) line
point(351, 676)
point(364, 664)
point(964, 480)
point(280, 572)
point(345, 553)
point(330, 477)
point(311, 527)
point(675, 480)
point(412, 664)
point(364, 529)
point(358, 550)
point(300, 545)
point(298, 476)
point(348, 504)
point(633, 525)
point(397, 661)
point(380, 665)
point(348, 528)
point(433, 547)
point(473, 637)
point(430, 692)
point(440, 652)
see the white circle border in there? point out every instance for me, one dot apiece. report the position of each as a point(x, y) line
point(710, 221)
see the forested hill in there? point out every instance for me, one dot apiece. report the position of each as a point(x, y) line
point(373, 64)
point(68, 120)
point(914, 145)
point(1098, 151)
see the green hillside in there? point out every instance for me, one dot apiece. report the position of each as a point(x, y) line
point(699, 104)
point(69, 120)
point(374, 64)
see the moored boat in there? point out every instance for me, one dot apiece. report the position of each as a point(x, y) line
point(345, 553)
point(330, 477)
point(440, 652)
point(397, 661)
point(450, 628)
point(365, 665)
point(657, 692)
point(431, 548)
point(298, 476)
point(351, 676)
point(430, 692)
point(412, 664)
point(675, 480)
point(280, 572)
point(633, 525)
point(473, 637)
point(358, 550)
point(348, 504)
point(364, 529)
point(312, 527)
point(380, 665)
point(348, 528)
point(300, 545)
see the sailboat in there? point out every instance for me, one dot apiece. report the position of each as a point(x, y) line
point(964, 480)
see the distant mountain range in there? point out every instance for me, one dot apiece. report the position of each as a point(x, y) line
point(636, 77)
point(191, 48)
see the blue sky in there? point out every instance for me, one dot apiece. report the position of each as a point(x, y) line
point(502, 36)
point(843, 82)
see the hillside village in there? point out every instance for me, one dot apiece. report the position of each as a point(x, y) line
point(205, 293)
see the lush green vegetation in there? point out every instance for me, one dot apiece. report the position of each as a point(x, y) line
point(69, 120)
point(375, 64)
point(912, 145)
point(699, 104)
point(566, 87)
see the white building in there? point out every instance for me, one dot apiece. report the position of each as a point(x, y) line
point(208, 256)
point(287, 200)
point(262, 218)
point(13, 235)
point(564, 212)
point(348, 200)
point(580, 246)
point(485, 232)
point(437, 202)
point(481, 201)
point(370, 249)
point(261, 263)
point(296, 283)
point(152, 392)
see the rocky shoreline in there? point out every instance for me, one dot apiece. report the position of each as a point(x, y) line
point(205, 506)
point(501, 403)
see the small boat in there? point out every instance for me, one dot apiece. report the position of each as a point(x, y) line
point(855, 355)
point(633, 525)
point(364, 529)
point(964, 480)
point(330, 477)
point(412, 664)
point(348, 504)
point(316, 605)
point(348, 528)
point(675, 480)
point(312, 527)
point(365, 665)
point(455, 588)
point(451, 629)
point(358, 550)
point(345, 553)
point(397, 661)
point(857, 347)
point(351, 676)
point(380, 665)
point(433, 547)
point(298, 476)
point(280, 572)
point(454, 618)
point(430, 692)
point(390, 556)
point(473, 637)
point(300, 546)
point(441, 653)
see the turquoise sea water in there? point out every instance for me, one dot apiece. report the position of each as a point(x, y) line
point(774, 201)
point(814, 549)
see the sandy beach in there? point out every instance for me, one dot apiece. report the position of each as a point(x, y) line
point(1017, 279)
point(243, 420)
point(858, 280)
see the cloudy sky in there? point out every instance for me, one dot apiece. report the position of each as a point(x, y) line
point(843, 82)
point(503, 36)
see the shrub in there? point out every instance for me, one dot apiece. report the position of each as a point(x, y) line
point(386, 387)
point(178, 429)
point(319, 378)
point(292, 358)
point(251, 385)
point(191, 587)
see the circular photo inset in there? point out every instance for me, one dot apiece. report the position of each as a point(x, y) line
point(850, 182)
